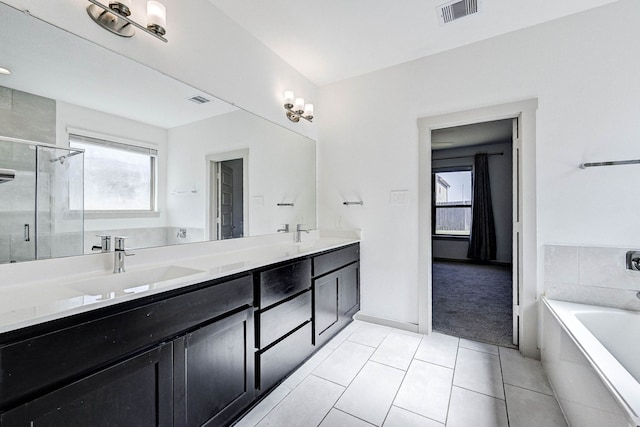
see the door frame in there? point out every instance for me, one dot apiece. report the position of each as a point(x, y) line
point(527, 250)
point(211, 161)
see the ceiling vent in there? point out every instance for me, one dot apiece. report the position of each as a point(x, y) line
point(199, 99)
point(457, 9)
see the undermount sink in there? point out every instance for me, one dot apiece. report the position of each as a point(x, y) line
point(136, 281)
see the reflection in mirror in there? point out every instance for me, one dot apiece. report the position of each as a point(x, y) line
point(164, 163)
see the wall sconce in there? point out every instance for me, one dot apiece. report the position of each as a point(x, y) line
point(296, 108)
point(114, 17)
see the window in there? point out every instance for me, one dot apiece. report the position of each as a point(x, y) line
point(117, 177)
point(452, 202)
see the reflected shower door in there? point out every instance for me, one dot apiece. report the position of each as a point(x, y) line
point(60, 226)
point(18, 203)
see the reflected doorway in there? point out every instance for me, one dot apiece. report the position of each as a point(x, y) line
point(227, 196)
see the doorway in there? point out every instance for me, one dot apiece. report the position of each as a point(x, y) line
point(525, 265)
point(227, 205)
point(473, 293)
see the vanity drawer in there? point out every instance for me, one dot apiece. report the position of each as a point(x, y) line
point(278, 361)
point(330, 261)
point(279, 283)
point(53, 359)
point(283, 318)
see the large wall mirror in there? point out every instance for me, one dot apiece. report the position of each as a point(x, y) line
point(118, 148)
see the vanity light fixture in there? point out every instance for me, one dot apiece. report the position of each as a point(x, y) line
point(114, 17)
point(5, 71)
point(296, 108)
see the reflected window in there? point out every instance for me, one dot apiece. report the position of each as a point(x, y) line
point(452, 202)
point(117, 176)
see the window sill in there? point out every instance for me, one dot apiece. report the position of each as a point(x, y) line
point(448, 237)
point(120, 214)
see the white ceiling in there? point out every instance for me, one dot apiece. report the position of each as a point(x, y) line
point(331, 40)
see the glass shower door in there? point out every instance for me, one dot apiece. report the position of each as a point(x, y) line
point(17, 202)
point(60, 226)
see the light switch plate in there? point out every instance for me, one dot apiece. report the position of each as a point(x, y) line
point(399, 197)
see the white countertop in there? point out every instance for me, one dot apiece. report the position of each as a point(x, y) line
point(31, 300)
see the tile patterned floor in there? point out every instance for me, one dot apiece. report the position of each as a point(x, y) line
point(371, 375)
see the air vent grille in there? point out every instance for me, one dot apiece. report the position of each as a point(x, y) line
point(199, 99)
point(457, 9)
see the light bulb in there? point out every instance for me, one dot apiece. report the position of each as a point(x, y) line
point(308, 111)
point(156, 17)
point(288, 99)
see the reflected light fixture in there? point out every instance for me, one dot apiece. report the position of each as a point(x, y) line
point(114, 17)
point(296, 108)
point(5, 71)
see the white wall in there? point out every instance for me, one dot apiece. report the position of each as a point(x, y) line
point(206, 49)
point(281, 169)
point(501, 199)
point(582, 69)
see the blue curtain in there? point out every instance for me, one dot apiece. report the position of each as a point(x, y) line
point(482, 241)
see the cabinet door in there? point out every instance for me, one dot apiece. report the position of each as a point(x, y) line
point(214, 371)
point(325, 308)
point(349, 291)
point(136, 392)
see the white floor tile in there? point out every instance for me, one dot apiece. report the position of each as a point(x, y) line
point(479, 346)
point(479, 372)
point(397, 350)
point(305, 406)
point(344, 334)
point(371, 393)
point(264, 407)
point(469, 408)
point(337, 418)
point(344, 363)
point(425, 390)
point(438, 348)
point(369, 334)
point(523, 372)
point(399, 417)
point(303, 371)
point(528, 408)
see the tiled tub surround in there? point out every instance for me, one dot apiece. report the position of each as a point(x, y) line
point(38, 291)
point(590, 354)
point(590, 275)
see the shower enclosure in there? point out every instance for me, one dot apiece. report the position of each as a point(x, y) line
point(41, 201)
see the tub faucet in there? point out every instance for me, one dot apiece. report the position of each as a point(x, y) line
point(284, 229)
point(299, 231)
point(119, 253)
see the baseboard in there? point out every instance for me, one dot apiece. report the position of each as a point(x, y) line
point(471, 261)
point(405, 326)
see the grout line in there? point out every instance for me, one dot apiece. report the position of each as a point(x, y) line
point(528, 389)
point(506, 405)
point(351, 415)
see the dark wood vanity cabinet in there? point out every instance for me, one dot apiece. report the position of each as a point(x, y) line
point(213, 374)
point(284, 335)
point(196, 356)
point(336, 291)
point(181, 360)
point(134, 392)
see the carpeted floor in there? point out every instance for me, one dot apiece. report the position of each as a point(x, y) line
point(473, 301)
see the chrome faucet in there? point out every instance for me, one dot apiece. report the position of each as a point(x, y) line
point(284, 229)
point(299, 230)
point(119, 253)
point(105, 243)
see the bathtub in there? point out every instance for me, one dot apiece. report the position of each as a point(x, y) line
point(592, 357)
